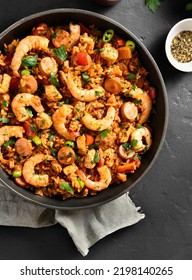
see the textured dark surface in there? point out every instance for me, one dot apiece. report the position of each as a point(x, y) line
point(165, 193)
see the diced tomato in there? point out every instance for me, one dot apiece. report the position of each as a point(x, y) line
point(28, 129)
point(81, 58)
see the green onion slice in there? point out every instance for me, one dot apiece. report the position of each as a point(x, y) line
point(36, 140)
point(65, 186)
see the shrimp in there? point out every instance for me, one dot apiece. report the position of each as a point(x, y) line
point(7, 132)
point(105, 179)
point(99, 125)
point(24, 46)
point(146, 103)
point(74, 35)
point(65, 38)
point(22, 100)
point(82, 94)
point(5, 83)
point(43, 121)
point(28, 171)
point(59, 119)
point(143, 139)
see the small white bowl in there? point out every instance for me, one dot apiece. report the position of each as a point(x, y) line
point(183, 25)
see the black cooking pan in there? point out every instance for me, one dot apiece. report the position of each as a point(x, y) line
point(158, 123)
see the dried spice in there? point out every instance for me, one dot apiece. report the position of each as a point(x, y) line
point(181, 46)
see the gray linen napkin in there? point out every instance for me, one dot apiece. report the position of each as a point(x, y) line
point(85, 227)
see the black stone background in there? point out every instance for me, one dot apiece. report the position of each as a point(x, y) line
point(165, 193)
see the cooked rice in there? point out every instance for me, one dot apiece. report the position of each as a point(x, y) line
point(104, 146)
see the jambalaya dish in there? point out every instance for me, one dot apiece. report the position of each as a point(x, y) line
point(75, 108)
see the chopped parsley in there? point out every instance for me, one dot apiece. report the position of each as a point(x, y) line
point(134, 142)
point(67, 101)
point(77, 109)
point(153, 5)
point(51, 137)
point(131, 76)
point(137, 102)
point(85, 77)
point(4, 104)
point(55, 34)
point(139, 126)
point(61, 52)
point(4, 120)
point(93, 146)
point(121, 125)
point(128, 146)
point(29, 61)
point(54, 80)
point(134, 87)
point(29, 111)
point(104, 133)
point(188, 6)
point(33, 127)
point(54, 152)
